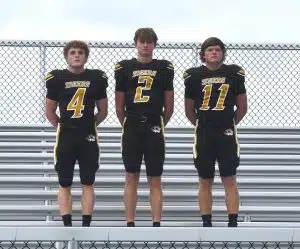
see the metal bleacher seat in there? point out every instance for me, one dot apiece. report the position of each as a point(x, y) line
point(269, 179)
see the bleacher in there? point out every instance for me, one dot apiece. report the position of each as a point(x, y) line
point(269, 179)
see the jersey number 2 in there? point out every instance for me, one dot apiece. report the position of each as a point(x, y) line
point(220, 103)
point(138, 98)
point(76, 103)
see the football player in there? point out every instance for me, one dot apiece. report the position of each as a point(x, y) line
point(215, 102)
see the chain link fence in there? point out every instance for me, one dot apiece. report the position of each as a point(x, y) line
point(146, 245)
point(149, 238)
point(272, 78)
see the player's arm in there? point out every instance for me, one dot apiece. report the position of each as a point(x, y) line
point(189, 107)
point(51, 98)
point(101, 99)
point(242, 107)
point(51, 115)
point(168, 106)
point(120, 106)
point(102, 107)
point(189, 102)
point(168, 93)
point(241, 96)
point(120, 89)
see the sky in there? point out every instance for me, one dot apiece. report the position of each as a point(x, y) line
point(234, 21)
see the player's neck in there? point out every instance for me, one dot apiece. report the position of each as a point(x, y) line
point(144, 59)
point(213, 66)
point(76, 70)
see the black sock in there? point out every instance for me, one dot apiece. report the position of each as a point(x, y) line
point(67, 220)
point(156, 224)
point(131, 224)
point(206, 218)
point(232, 218)
point(86, 220)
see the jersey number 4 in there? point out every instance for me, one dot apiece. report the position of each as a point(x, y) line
point(138, 98)
point(207, 94)
point(76, 103)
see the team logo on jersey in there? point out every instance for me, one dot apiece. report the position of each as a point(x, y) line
point(156, 129)
point(91, 138)
point(228, 132)
point(137, 73)
point(214, 80)
point(71, 84)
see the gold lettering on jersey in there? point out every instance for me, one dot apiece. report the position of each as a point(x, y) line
point(216, 80)
point(71, 84)
point(144, 73)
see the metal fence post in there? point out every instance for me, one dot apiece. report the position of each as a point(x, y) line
point(42, 76)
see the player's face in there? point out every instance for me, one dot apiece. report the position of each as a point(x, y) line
point(76, 57)
point(144, 48)
point(213, 55)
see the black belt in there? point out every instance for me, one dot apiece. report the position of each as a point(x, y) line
point(67, 126)
point(203, 121)
point(212, 125)
point(144, 118)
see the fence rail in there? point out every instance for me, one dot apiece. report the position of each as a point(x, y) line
point(272, 78)
point(150, 234)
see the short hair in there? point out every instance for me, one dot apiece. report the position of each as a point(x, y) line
point(76, 44)
point(212, 41)
point(145, 34)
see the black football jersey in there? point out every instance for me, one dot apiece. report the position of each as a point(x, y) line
point(214, 92)
point(144, 84)
point(76, 95)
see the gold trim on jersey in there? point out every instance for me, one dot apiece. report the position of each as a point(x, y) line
point(186, 75)
point(123, 125)
point(162, 123)
point(48, 76)
point(104, 75)
point(170, 66)
point(241, 72)
point(56, 143)
point(118, 67)
point(195, 152)
point(236, 139)
point(97, 141)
